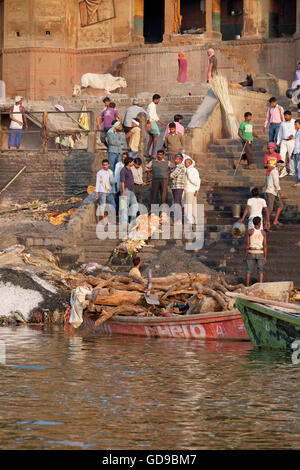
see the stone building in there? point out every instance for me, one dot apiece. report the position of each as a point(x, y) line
point(46, 45)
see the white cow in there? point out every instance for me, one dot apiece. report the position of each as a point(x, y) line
point(104, 81)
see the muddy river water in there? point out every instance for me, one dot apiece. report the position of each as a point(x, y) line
point(60, 391)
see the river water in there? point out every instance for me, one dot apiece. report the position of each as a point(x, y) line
point(60, 391)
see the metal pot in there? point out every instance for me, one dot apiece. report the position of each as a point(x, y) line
point(238, 230)
point(236, 211)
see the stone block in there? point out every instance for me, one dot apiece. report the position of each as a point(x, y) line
point(271, 84)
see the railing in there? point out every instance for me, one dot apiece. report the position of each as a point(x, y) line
point(46, 136)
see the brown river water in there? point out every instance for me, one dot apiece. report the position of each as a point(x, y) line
point(59, 391)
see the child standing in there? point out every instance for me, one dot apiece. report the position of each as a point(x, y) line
point(173, 142)
point(246, 134)
point(271, 159)
point(178, 123)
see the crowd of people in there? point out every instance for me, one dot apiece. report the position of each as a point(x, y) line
point(122, 178)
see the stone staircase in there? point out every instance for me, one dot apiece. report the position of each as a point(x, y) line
point(221, 190)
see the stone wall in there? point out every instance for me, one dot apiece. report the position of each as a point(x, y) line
point(48, 176)
point(46, 50)
point(216, 127)
point(155, 68)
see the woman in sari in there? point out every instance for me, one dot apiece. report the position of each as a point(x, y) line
point(182, 68)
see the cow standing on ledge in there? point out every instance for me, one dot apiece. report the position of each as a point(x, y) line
point(98, 81)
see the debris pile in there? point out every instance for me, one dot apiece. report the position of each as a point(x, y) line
point(56, 212)
point(33, 287)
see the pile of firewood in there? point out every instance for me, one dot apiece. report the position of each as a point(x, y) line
point(188, 293)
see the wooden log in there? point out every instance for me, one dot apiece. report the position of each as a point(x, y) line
point(103, 318)
point(218, 286)
point(116, 297)
point(211, 293)
point(183, 292)
point(129, 287)
point(126, 310)
point(229, 286)
point(169, 281)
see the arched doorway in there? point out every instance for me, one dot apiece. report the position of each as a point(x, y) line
point(154, 20)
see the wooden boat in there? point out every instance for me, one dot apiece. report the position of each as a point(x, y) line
point(269, 327)
point(218, 325)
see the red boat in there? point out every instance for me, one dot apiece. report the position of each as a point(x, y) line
point(218, 325)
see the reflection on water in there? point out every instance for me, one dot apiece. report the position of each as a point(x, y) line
point(58, 391)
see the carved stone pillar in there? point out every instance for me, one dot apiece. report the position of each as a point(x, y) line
point(169, 19)
point(138, 22)
point(298, 18)
point(256, 19)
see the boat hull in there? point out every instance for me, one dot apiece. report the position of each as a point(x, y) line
point(269, 328)
point(218, 325)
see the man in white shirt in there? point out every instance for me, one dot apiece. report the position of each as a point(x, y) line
point(191, 188)
point(104, 188)
point(152, 126)
point(286, 140)
point(273, 191)
point(255, 206)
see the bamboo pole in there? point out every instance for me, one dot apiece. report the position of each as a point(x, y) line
point(12, 180)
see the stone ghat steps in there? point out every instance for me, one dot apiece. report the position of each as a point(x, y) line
point(220, 190)
point(227, 255)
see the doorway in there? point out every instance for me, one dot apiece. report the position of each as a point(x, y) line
point(154, 20)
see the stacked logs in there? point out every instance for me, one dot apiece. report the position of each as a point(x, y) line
point(188, 293)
